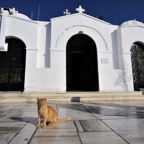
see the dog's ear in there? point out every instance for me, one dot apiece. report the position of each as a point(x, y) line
point(37, 98)
point(45, 99)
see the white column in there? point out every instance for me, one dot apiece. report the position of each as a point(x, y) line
point(3, 21)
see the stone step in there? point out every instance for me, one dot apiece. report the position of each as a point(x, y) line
point(81, 94)
point(69, 96)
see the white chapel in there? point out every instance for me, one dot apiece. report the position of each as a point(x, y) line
point(74, 52)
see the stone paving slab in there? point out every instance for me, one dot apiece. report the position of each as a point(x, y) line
point(5, 130)
point(24, 135)
point(112, 122)
point(56, 140)
point(132, 136)
point(94, 126)
point(56, 132)
point(63, 133)
point(64, 125)
point(101, 138)
point(75, 111)
point(125, 124)
point(6, 138)
point(111, 110)
point(64, 129)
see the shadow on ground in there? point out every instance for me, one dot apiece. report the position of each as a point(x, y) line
point(31, 120)
point(106, 109)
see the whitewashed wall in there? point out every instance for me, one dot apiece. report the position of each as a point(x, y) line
point(65, 27)
point(23, 28)
point(131, 31)
point(46, 49)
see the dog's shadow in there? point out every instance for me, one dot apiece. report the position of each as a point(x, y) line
point(31, 120)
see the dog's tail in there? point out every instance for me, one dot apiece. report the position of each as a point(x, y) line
point(63, 119)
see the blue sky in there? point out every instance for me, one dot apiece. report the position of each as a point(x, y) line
point(114, 11)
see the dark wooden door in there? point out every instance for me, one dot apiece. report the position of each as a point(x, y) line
point(137, 55)
point(82, 72)
point(12, 66)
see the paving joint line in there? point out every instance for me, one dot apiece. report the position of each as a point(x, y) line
point(90, 112)
point(32, 136)
point(114, 131)
point(77, 131)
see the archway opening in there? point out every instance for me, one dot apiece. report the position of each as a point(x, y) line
point(137, 58)
point(12, 66)
point(81, 64)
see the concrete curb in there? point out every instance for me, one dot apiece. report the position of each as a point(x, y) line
point(29, 97)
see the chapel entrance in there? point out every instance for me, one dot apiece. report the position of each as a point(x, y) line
point(81, 64)
point(12, 66)
point(137, 57)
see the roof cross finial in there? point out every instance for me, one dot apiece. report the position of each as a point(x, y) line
point(66, 12)
point(80, 9)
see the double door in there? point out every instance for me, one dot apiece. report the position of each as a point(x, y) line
point(12, 66)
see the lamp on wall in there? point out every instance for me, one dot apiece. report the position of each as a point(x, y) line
point(80, 32)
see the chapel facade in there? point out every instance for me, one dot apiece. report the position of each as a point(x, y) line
point(74, 52)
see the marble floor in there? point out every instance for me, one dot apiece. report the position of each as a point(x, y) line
point(112, 122)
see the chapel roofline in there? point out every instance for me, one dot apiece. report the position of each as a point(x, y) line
point(80, 11)
point(132, 23)
point(83, 14)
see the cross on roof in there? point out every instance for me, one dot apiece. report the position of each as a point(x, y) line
point(80, 9)
point(66, 12)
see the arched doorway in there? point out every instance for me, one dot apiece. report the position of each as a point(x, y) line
point(12, 66)
point(81, 64)
point(137, 58)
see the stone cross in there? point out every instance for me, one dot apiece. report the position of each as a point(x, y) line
point(66, 12)
point(80, 9)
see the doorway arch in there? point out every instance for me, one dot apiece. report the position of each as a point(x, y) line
point(137, 58)
point(81, 64)
point(12, 66)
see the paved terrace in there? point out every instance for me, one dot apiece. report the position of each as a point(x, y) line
point(111, 122)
